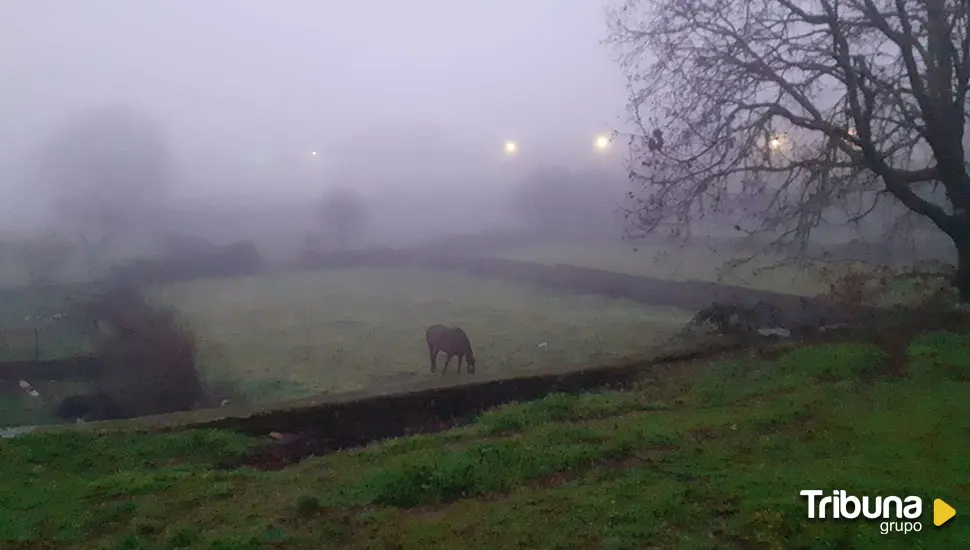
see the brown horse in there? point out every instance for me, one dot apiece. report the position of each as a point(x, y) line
point(453, 341)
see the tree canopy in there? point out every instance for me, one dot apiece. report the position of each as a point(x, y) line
point(791, 111)
point(102, 170)
point(344, 212)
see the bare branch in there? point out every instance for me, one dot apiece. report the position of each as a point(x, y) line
point(794, 114)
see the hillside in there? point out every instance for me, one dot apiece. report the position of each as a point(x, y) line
point(710, 455)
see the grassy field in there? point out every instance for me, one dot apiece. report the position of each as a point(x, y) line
point(23, 308)
point(711, 457)
point(673, 263)
point(296, 334)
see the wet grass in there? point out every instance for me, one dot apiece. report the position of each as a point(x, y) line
point(355, 329)
point(714, 458)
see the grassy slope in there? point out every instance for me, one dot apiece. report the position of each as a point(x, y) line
point(712, 458)
point(296, 334)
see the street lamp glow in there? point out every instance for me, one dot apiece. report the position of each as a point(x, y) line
point(774, 144)
point(511, 147)
point(602, 142)
point(851, 142)
point(314, 153)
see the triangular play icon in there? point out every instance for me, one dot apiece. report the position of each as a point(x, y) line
point(942, 512)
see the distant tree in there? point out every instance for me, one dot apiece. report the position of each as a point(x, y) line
point(45, 256)
point(800, 110)
point(102, 171)
point(343, 212)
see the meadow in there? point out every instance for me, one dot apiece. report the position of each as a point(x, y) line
point(707, 456)
point(290, 335)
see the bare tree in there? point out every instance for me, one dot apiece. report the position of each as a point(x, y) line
point(45, 256)
point(801, 112)
point(102, 170)
point(342, 211)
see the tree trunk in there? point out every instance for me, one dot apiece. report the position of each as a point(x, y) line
point(959, 233)
point(962, 281)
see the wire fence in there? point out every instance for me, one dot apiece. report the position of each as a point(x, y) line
point(41, 339)
point(20, 343)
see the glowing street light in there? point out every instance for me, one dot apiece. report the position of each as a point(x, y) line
point(511, 147)
point(851, 142)
point(602, 143)
point(314, 153)
point(774, 143)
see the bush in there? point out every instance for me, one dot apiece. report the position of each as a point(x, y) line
point(854, 287)
point(149, 360)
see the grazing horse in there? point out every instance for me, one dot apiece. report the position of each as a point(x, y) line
point(453, 341)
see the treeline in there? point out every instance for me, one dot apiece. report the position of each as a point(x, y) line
point(190, 263)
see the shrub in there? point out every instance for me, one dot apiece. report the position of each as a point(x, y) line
point(149, 360)
point(857, 286)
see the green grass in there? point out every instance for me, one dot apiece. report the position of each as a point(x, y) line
point(707, 458)
point(351, 329)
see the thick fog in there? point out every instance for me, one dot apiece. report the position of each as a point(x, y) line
point(271, 104)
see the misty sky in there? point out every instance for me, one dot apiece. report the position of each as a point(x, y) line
point(251, 79)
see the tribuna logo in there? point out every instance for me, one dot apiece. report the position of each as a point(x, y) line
point(840, 505)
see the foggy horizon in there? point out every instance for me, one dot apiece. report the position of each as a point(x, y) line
point(243, 88)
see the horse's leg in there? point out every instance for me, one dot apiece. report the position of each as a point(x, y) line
point(460, 359)
point(434, 358)
point(447, 362)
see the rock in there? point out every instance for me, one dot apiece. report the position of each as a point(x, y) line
point(14, 431)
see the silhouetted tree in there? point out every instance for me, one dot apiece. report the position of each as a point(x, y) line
point(798, 109)
point(148, 357)
point(343, 212)
point(102, 170)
